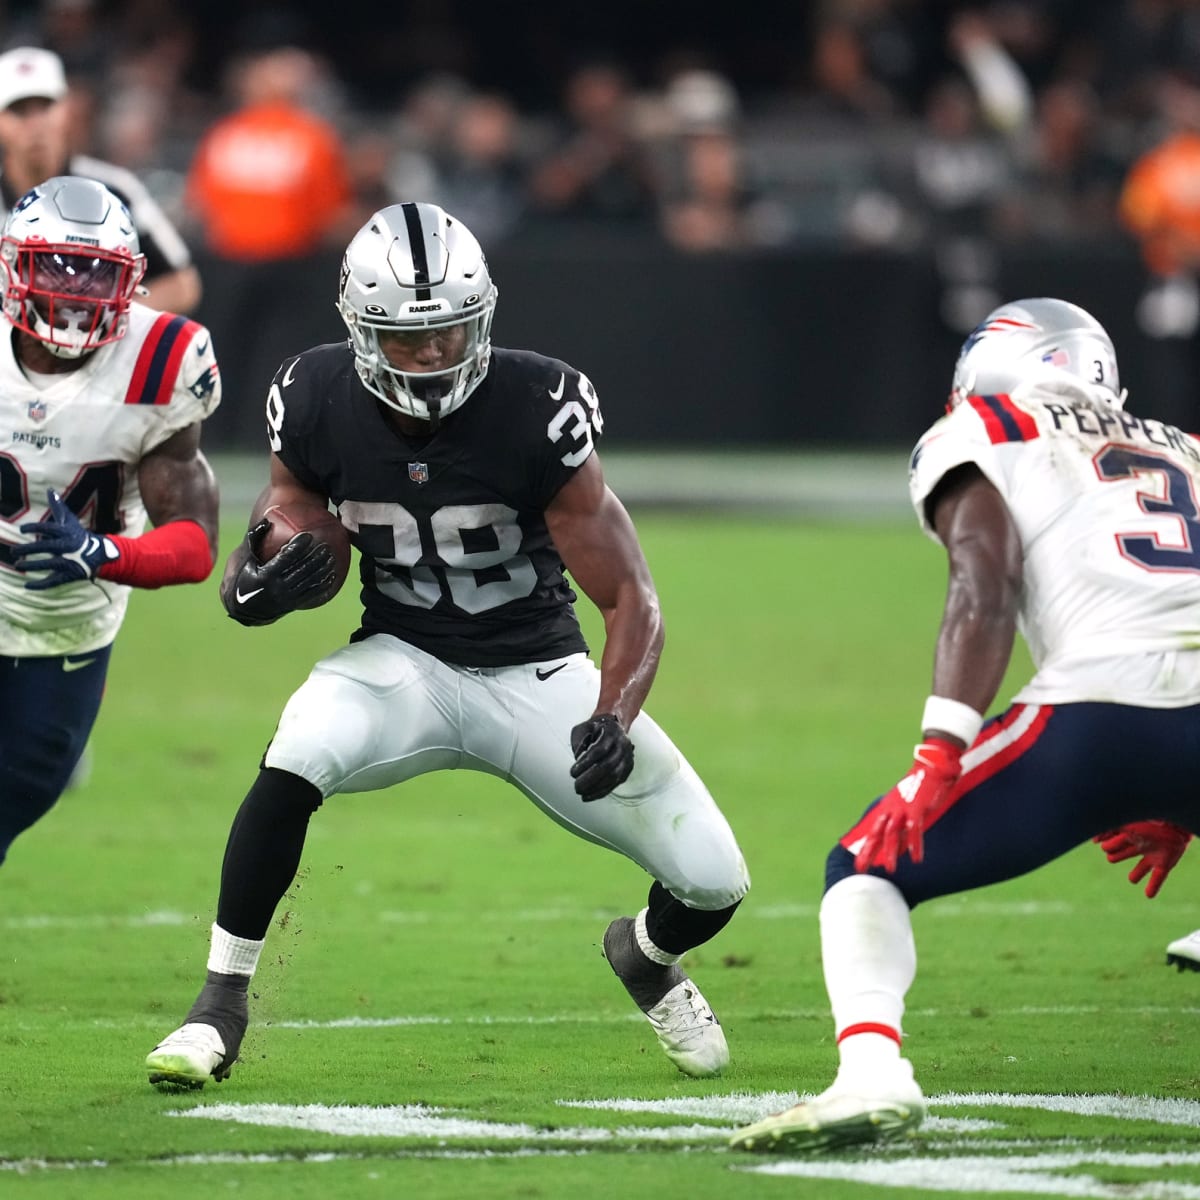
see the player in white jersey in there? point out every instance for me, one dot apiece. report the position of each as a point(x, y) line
point(1075, 522)
point(101, 401)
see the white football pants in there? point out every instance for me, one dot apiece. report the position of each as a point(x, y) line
point(379, 712)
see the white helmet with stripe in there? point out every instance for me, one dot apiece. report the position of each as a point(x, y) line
point(1034, 340)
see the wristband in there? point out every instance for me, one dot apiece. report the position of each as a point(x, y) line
point(951, 716)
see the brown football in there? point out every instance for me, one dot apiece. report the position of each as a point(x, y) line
point(287, 520)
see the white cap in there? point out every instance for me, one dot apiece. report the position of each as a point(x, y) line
point(30, 71)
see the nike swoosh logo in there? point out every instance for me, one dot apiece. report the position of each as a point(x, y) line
point(201, 347)
point(544, 675)
point(242, 597)
point(287, 375)
point(77, 664)
point(557, 394)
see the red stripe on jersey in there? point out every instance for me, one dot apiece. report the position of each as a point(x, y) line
point(991, 420)
point(166, 384)
point(1004, 420)
point(153, 380)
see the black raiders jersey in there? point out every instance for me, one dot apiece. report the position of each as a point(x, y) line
point(455, 556)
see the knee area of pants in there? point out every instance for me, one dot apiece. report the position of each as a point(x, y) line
point(712, 899)
point(838, 866)
point(851, 886)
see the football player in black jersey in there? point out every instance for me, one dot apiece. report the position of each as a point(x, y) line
point(467, 518)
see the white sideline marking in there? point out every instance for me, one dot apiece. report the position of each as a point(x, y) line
point(1126, 1108)
point(417, 1020)
point(1023, 1174)
point(947, 907)
point(802, 1014)
point(421, 1120)
point(94, 921)
point(733, 1109)
point(25, 1165)
point(740, 1108)
point(401, 1022)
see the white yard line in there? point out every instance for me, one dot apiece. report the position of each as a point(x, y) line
point(534, 916)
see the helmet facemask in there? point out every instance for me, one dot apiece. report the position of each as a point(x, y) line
point(72, 302)
point(427, 395)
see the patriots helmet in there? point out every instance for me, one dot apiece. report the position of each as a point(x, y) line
point(72, 263)
point(410, 269)
point(1030, 340)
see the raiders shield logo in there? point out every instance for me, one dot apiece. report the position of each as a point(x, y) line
point(418, 472)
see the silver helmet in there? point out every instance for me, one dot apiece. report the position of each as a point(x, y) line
point(1031, 340)
point(72, 264)
point(413, 267)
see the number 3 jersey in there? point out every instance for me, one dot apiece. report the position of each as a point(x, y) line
point(84, 433)
point(455, 555)
point(1106, 507)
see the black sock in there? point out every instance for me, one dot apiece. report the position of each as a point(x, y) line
point(675, 928)
point(263, 851)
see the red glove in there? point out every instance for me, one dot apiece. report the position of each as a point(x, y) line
point(1160, 843)
point(897, 822)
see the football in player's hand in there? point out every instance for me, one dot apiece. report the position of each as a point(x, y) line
point(287, 520)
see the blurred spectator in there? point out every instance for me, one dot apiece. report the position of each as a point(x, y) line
point(1160, 206)
point(482, 176)
point(270, 188)
point(35, 140)
point(841, 83)
point(1070, 178)
point(964, 167)
point(708, 200)
point(599, 170)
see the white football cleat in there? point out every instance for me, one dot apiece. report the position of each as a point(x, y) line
point(189, 1057)
point(1184, 952)
point(686, 1027)
point(846, 1114)
point(689, 1032)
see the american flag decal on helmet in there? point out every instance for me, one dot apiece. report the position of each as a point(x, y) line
point(418, 472)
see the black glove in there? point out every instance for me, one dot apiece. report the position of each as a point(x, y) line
point(603, 756)
point(299, 575)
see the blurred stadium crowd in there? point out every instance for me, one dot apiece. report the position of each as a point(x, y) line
point(957, 128)
point(870, 121)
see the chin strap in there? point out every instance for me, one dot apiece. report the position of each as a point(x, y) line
point(434, 405)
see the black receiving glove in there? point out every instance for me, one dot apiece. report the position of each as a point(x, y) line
point(603, 756)
point(297, 577)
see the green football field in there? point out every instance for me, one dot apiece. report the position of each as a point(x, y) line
point(433, 1017)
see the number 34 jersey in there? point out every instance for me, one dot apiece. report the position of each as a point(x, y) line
point(83, 433)
point(455, 555)
point(1105, 503)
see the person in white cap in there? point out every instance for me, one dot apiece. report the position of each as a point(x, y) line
point(35, 145)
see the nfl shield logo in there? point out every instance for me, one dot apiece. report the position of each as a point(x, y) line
point(418, 472)
point(37, 410)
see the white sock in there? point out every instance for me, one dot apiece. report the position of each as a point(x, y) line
point(870, 961)
point(229, 955)
point(647, 947)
